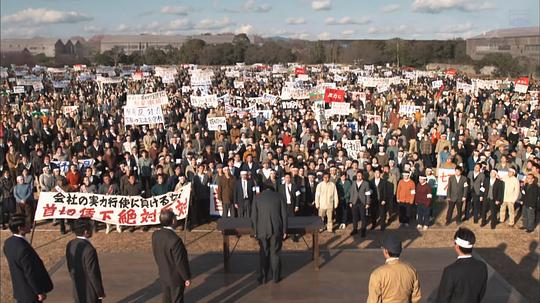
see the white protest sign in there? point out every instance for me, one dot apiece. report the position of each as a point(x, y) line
point(352, 147)
point(289, 104)
point(238, 84)
point(208, 101)
point(19, 89)
point(112, 209)
point(216, 207)
point(442, 180)
point(216, 123)
point(464, 87)
point(341, 108)
point(152, 99)
point(271, 99)
point(69, 110)
point(436, 84)
point(143, 115)
point(406, 109)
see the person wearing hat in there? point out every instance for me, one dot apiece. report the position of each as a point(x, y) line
point(511, 195)
point(465, 280)
point(83, 265)
point(406, 190)
point(395, 281)
point(29, 278)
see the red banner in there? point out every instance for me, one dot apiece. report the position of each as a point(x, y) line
point(334, 95)
point(451, 72)
point(522, 81)
point(300, 71)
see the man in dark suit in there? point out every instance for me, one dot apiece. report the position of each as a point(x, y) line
point(493, 194)
point(243, 195)
point(29, 278)
point(359, 203)
point(83, 265)
point(290, 194)
point(269, 219)
point(311, 186)
point(171, 258)
point(456, 195)
point(201, 196)
point(465, 280)
point(383, 194)
point(476, 180)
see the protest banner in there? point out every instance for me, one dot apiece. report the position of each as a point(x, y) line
point(232, 74)
point(152, 99)
point(143, 115)
point(406, 109)
point(442, 180)
point(436, 84)
point(82, 163)
point(288, 93)
point(252, 110)
point(289, 105)
point(270, 99)
point(216, 207)
point(37, 86)
point(334, 95)
point(238, 84)
point(29, 82)
point(60, 84)
point(352, 147)
point(316, 96)
point(201, 79)
point(521, 85)
point(341, 108)
point(208, 101)
point(217, 123)
point(464, 87)
point(112, 209)
point(137, 76)
point(303, 77)
point(353, 125)
point(108, 80)
point(19, 89)
point(69, 110)
point(376, 119)
point(339, 78)
point(266, 113)
point(382, 89)
point(79, 67)
point(300, 71)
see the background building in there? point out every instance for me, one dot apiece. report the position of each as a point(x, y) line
point(518, 42)
point(38, 45)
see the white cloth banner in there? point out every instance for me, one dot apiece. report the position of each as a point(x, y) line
point(70, 109)
point(208, 101)
point(152, 99)
point(238, 84)
point(121, 210)
point(268, 98)
point(352, 147)
point(217, 123)
point(464, 87)
point(216, 207)
point(436, 84)
point(409, 109)
point(341, 108)
point(442, 180)
point(143, 115)
point(201, 79)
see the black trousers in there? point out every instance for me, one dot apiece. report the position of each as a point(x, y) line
point(270, 258)
point(244, 209)
point(451, 205)
point(359, 213)
point(474, 206)
point(382, 215)
point(26, 209)
point(405, 210)
point(489, 205)
point(173, 294)
point(373, 213)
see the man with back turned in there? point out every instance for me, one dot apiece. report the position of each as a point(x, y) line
point(171, 258)
point(269, 218)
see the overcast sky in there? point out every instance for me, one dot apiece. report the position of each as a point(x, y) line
point(306, 19)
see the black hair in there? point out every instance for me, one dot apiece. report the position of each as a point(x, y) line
point(81, 225)
point(166, 218)
point(392, 255)
point(16, 222)
point(467, 235)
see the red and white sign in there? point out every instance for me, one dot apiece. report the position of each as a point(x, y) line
point(121, 210)
point(334, 95)
point(521, 85)
point(300, 71)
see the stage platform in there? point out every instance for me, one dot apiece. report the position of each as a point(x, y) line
point(343, 277)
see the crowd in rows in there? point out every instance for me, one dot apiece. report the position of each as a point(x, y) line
point(487, 136)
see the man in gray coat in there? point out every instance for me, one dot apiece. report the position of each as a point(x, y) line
point(456, 195)
point(359, 203)
point(476, 179)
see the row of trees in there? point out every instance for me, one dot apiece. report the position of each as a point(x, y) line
point(415, 53)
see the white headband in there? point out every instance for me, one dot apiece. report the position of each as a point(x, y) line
point(463, 243)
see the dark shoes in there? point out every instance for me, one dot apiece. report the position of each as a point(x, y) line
point(363, 233)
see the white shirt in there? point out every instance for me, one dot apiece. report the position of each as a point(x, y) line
point(464, 257)
point(390, 260)
point(19, 236)
point(244, 188)
point(377, 181)
point(288, 192)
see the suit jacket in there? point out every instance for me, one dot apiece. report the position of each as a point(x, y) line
point(498, 189)
point(359, 193)
point(476, 183)
point(463, 281)
point(269, 215)
point(457, 190)
point(531, 194)
point(295, 201)
point(225, 189)
point(239, 191)
point(310, 192)
point(28, 274)
point(201, 188)
point(171, 258)
point(253, 169)
point(383, 192)
point(83, 266)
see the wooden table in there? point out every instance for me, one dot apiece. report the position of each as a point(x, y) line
point(295, 226)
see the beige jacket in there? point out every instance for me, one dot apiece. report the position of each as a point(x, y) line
point(511, 189)
point(326, 196)
point(394, 282)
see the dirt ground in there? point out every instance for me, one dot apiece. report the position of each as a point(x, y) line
point(512, 252)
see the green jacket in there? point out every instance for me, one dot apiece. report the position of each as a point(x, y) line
point(344, 189)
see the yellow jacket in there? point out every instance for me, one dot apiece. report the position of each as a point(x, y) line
point(394, 282)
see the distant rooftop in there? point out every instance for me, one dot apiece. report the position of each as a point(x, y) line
point(510, 32)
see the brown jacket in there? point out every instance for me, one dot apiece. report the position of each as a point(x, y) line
point(394, 282)
point(225, 189)
point(405, 191)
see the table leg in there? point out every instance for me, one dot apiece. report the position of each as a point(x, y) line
point(316, 250)
point(226, 253)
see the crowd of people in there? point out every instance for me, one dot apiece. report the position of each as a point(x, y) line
point(486, 135)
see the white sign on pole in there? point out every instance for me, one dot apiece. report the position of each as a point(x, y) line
point(341, 108)
point(442, 180)
point(352, 147)
point(216, 123)
point(208, 101)
point(143, 115)
point(436, 84)
point(141, 100)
